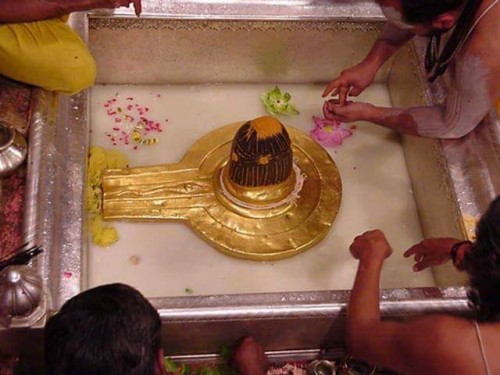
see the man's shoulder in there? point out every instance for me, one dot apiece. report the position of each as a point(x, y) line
point(484, 38)
point(440, 322)
point(438, 340)
point(443, 329)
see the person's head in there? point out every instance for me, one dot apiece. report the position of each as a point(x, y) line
point(482, 263)
point(108, 330)
point(424, 17)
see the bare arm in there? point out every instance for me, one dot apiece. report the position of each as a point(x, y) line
point(388, 43)
point(366, 335)
point(461, 114)
point(354, 80)
point(474, 88)
point(403, 347)
point(12, 11)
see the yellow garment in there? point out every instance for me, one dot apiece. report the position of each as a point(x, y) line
point(48, 54)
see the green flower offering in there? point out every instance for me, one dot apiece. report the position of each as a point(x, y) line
point(278, 103)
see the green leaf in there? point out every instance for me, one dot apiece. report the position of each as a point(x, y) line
point(185, 370)
point(170, 365)
point(275, 93)
point(225, 353)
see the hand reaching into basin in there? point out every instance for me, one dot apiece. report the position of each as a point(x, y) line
point(137, 7)
point(471, 52)
point(333, 109)
point(436, 251)
point(370, 245)
point(14, 11)
point(430, 344)
point(352, 81)
point(110, 4)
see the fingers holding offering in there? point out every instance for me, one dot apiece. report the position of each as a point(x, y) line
point(351, 82)
point(340, 88)
point(137, 7)
point(343, 92)
point(121, 3)
point(333, 87)
point(328, 109)
point(349, 112)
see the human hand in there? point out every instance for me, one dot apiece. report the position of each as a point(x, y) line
point(137, 7)
point(249, 358)
point(111, 4)
point(430, 252)
point(370, 244)
point(351, 82)
point(349, 112)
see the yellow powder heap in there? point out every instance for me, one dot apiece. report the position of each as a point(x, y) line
point(102, 234)
point(99, 160)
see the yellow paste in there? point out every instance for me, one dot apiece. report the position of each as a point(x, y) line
point(99, 160)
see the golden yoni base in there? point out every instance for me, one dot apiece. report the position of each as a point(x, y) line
point(190, 190)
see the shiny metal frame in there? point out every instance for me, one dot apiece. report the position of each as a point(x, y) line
point(306, 321)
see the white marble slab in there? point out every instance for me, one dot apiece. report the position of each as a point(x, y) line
point(168, 259)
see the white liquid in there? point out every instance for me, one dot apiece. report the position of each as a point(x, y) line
point(169, 259)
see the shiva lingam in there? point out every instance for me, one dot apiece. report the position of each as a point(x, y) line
point(255, 190)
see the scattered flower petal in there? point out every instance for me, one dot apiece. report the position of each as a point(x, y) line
point(129, 124)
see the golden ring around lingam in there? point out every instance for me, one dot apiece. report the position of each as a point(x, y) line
point(255, 190)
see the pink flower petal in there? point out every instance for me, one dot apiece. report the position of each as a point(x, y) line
point(329, 133)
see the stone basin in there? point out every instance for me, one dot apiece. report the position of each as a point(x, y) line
point(296, 44)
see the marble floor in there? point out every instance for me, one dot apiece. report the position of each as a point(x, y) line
point(169, 259)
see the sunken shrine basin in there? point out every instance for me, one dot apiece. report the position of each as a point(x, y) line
point(259, 43)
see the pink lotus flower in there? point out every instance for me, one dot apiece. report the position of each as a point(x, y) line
point(329, 133)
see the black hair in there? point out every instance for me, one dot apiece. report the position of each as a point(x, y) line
point(108, 330)
point(424, 11)
point(482, 263)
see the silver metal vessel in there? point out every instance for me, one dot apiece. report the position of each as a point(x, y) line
point(13, 149)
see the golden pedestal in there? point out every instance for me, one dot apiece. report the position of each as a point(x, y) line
point(191, 191)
